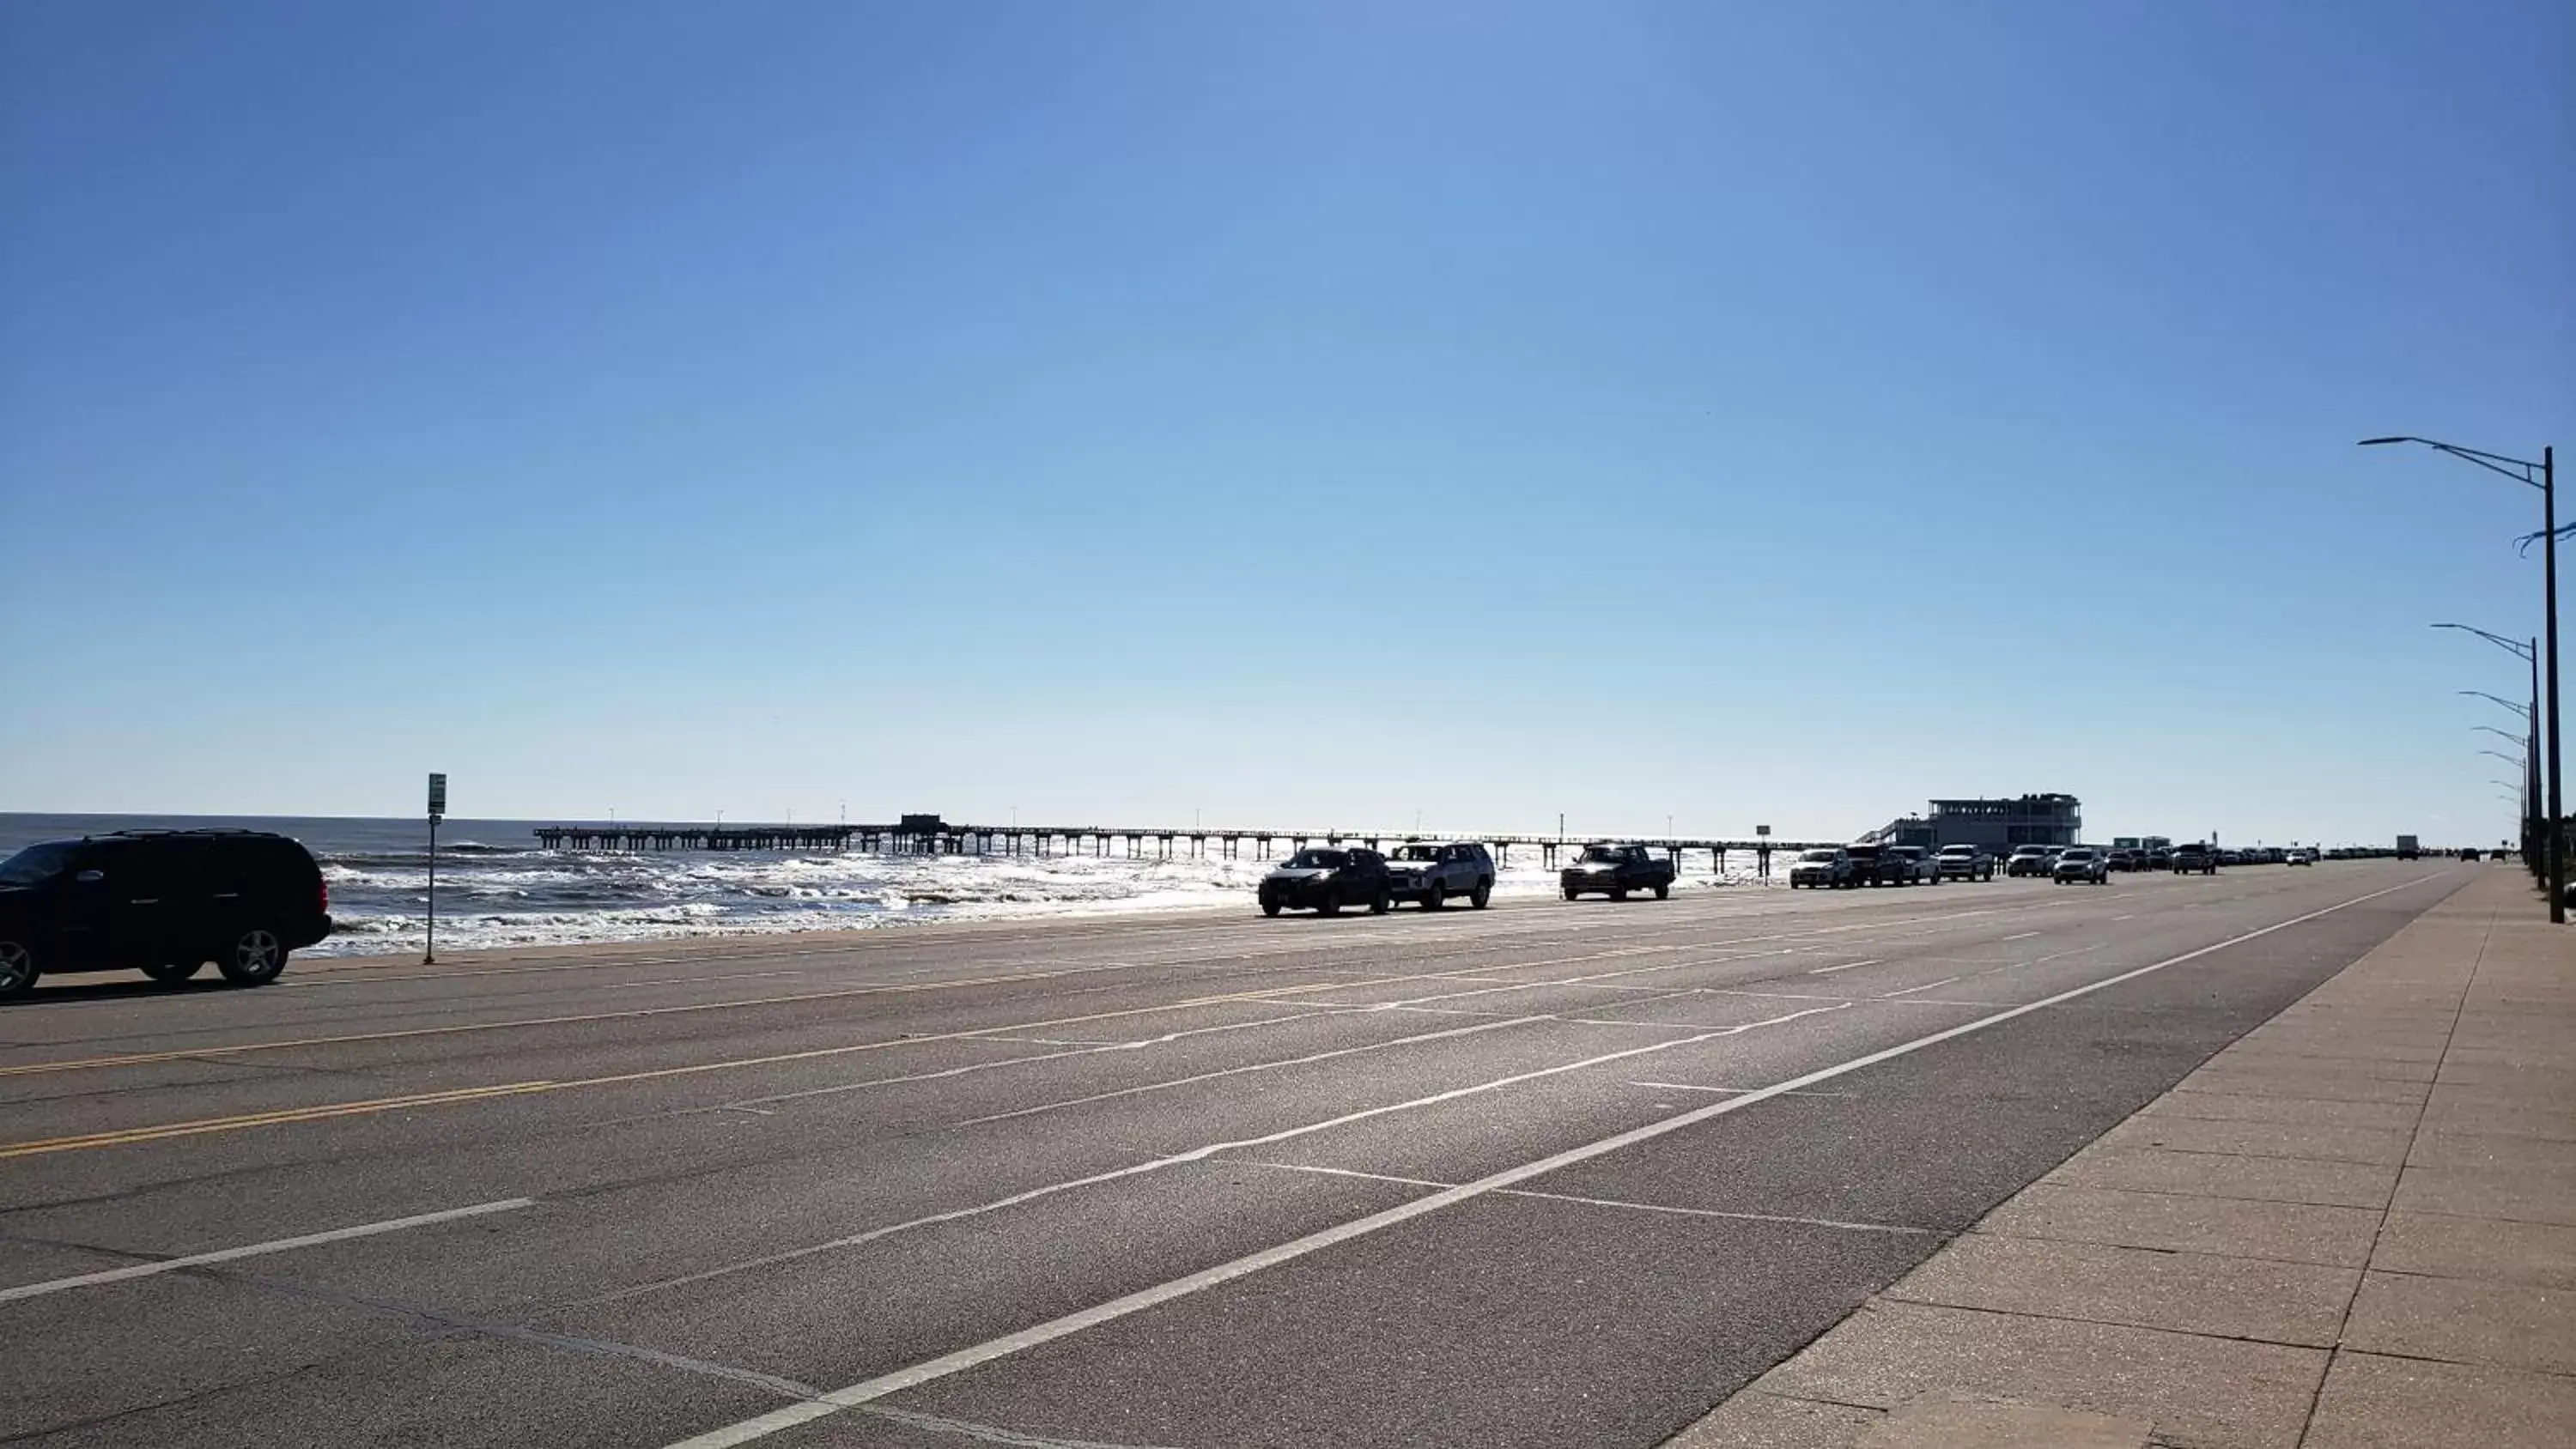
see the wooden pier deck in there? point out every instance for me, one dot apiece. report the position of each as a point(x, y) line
point(930, 836)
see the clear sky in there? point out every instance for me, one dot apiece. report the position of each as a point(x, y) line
point(1303, 414)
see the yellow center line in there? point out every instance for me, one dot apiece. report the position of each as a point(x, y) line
point(157, 1132)
point(203, 1125)
point(132, 1059)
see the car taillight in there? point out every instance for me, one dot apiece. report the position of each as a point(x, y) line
point(326, 897)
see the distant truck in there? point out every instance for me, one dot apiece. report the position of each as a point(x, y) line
point(2407, 848)
point(1614, 869)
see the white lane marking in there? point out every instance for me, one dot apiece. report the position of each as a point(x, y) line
point(867, 1390)
point(696, 980)
point(1608, 1202)
point(1178, 1159)
point(2017, 936)
point(1846, 966)
point(1692, 1087)
point(254, 1250)
point(1911, 990)
point(1649, 1207)
point(1455, 1031)
point(1686, 1087)
point(2129, 917)
point(988, 1433)
point(1350, 1172)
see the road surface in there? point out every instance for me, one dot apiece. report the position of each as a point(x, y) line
point(1545, 1174)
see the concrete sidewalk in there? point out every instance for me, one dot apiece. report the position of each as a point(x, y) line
point(2355, 1228)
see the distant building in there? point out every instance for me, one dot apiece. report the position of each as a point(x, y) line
point(1998, 825)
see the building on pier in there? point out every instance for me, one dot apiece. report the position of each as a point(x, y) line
point(1996, 824)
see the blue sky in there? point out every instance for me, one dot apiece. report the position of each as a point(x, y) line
point(1303, 414)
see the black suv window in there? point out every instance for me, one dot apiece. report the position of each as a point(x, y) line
point(38, 863)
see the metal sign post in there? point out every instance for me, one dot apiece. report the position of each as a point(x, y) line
point(437, 812)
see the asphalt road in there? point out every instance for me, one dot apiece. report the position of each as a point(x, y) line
point(1547, 1174)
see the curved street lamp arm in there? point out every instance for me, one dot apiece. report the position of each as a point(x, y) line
point(2520, 650)
point(2516, 469)
point(2521, 709)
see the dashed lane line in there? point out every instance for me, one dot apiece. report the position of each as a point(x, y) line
point(255, 1250)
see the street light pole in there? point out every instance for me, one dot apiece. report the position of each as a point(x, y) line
point(2549, 622)
point(2521, 471)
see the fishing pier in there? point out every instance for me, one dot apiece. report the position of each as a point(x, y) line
point(930, 835)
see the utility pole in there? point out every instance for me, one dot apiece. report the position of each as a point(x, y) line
point(2549, 623)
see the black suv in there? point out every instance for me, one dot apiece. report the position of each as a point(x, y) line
point(1614, 870)
point(1432, 874)
point(1326, 880)
point(2193, 859)
point(162, 901)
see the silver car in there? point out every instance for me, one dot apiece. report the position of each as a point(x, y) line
point(2081, 864)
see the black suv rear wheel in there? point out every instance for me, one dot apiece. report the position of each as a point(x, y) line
point(1482, 896)
point(17, 968)
point(253, 957)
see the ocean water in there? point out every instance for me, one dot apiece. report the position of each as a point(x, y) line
point(497, 887)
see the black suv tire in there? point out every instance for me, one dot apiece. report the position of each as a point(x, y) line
point(18, 971)
point(253, 956)
point(1482, 896)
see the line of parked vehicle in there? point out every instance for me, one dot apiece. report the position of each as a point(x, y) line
point(1845, 867)
point(1432, 874)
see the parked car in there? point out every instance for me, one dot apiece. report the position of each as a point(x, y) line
point(2123, 859)
point(1965, 862)
point(2300, 857)
point(1614, 870)
point(2027, 860)
point(1822, 869)
point(1435, 873)
point(2194, 858)
point(2470, 853)
point(1870, 865)
point(2083, 865)
point(1913, 865)
point(2160, 858)
point(164, 902)
point(1325, 880)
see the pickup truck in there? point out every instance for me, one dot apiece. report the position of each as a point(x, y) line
point(1614, 870)
point(1966, 862)
point(2193, 859)
point(2028, 860)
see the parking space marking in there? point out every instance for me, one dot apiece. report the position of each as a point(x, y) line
point(255, 1250)
point(1846, 966)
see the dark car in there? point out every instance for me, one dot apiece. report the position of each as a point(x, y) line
point(1434, 874)
point(2194, 858)
point(1614, 870)
point(164, 902)
point(2027, 860)
point(1326, 880)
